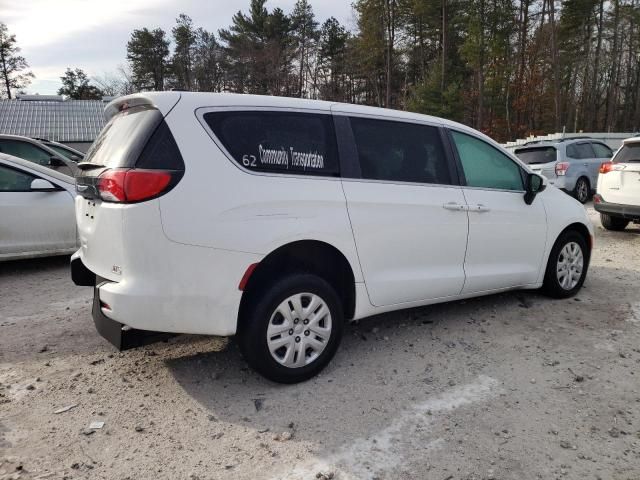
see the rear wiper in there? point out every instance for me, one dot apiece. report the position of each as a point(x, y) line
point(88, 166)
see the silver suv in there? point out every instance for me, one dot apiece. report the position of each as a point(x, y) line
point(571, 164)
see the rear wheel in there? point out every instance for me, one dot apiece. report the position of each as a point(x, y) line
point(567, 265)
point(292, 331)
point(613, 223)
point(581, 190)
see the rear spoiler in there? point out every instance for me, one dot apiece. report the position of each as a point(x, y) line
point(163, 101)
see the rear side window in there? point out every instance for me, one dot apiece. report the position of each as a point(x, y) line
point(537, 155)
point(580, 151)
point(278, 142)
point(161, 151)
point(26, 151)
point(629, 153)
point(485, 166)
point(399, 151)
point(121, 141)
point(602, 151)
point(14, 181)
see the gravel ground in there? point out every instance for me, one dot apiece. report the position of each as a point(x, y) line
point(511, 386)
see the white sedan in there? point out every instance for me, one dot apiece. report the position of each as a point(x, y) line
point(37, 215)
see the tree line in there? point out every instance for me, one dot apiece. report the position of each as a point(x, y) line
point(507, 67)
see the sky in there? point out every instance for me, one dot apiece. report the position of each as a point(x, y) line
point(93, 34)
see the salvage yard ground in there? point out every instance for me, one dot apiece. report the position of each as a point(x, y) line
point(513, 386)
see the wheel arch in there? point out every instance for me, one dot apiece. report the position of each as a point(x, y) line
point(582, 229)
point(311, 256)
point(578, 227)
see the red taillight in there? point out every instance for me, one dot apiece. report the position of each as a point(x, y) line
point(606, 167)
point(143, 184)
point(561, 168)
point(123, 185)
point(111, 185)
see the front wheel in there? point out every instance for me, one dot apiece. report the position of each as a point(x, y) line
point(567, 265)
point(292, 331)
point(581, 190)
point(613, 223)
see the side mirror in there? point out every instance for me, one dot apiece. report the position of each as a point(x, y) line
point(56, 162)
point(42, 185)
point(534, 184)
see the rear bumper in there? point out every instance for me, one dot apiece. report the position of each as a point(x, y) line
point(563, 183)
point(630, 212)
point(80, 274)
point(192, 290)
point(119, 335)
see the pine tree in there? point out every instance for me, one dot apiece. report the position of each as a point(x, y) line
point(184, 38)
point(148, 54)
point(75, 85)
point(15, 75)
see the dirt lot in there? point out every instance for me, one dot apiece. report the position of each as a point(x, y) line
point(513, 386)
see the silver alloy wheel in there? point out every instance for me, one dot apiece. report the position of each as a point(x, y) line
point(299, 330)
point(582, 190)
point(570, 265)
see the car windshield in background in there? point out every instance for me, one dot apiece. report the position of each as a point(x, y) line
point(532, 156)
point(122, 139)
point(69, 154)
point(629, 153)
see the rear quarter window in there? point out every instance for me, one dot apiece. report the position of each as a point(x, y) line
point(278, 142)
point(537, 155)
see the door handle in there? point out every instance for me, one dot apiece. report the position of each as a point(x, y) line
point(454, 206)
point(480, 208)
point(586, 164)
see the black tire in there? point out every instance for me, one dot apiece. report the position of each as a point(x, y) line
point(252, 337)
point(551, 285)
point(582, 190)
point(613, 223)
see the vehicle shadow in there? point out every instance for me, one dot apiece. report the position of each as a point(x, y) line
point(388, 363)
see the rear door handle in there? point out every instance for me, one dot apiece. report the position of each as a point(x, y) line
point(480, 208)
point(454, 206)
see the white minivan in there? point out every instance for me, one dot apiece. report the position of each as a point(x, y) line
point(278, 219)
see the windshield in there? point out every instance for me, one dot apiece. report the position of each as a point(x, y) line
point(532, 156)
point(629, 153)
point(122, 139)
point(71, 155)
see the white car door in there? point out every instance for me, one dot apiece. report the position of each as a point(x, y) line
point(407, 213)
point(506, 236)
point(33, 220)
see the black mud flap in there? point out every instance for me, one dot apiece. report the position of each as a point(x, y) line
point(119, 335)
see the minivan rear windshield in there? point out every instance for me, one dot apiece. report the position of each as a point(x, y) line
point(629, 153)
point(123, 137)
point(532, 156)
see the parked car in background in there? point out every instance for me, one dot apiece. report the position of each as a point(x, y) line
point(618, 193)
point(36, 210)
point(275, 219)
point(571, 164)
point(36, 152)
point(70, 153)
